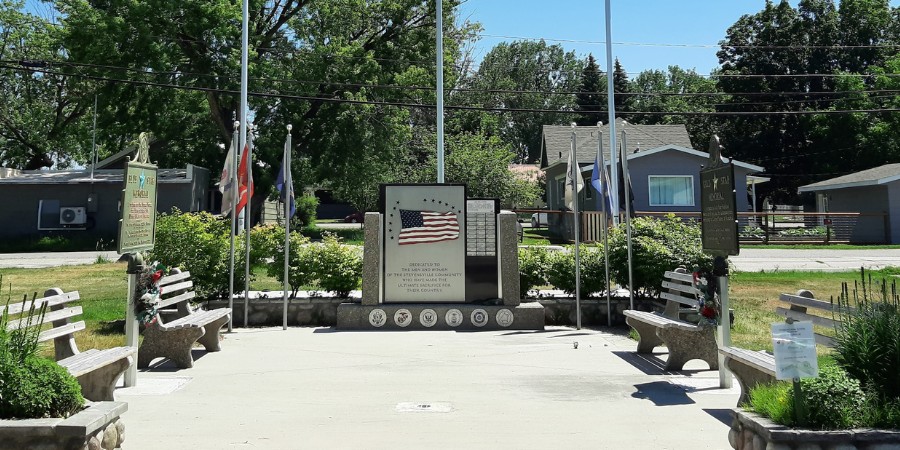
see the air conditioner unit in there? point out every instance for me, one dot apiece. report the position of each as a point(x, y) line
point(72, 215)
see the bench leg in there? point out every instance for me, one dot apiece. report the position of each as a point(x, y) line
point(99, 385)
point(647, 338)
point(174, 344)
point(210, 338)
point(748, 377)
point(687, 345)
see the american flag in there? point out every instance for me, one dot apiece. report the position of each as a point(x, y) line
point(422, 227)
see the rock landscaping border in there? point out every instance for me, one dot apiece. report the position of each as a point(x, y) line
point(751, 431)
point(98, 426)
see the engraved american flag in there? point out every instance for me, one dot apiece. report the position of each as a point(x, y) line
point(423, 227)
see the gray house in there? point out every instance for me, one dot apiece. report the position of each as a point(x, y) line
point(72, 204)
point(664, 169)
point(873, 193)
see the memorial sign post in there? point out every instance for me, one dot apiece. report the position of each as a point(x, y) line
point(718, 214)
point(137, 227)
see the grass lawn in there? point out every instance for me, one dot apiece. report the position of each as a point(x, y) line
point(753, 296)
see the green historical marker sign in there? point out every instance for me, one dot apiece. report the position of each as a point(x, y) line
point(137, 225)
point(718, 205)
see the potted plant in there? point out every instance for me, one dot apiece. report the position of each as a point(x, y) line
point(41, 405)
point(855, 401)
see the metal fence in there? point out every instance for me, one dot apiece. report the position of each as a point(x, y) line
point(787, 227)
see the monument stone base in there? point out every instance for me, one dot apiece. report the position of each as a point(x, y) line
point(440, 316)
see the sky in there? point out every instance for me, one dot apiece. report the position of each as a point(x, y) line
point(699, 24)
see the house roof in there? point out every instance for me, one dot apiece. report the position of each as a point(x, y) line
point(869, 177)
point(702, 155)
point(558, 140)
point(101, 176)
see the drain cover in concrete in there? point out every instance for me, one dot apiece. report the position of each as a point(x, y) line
point(704, 385)
point(155, 386)
point(435, 407)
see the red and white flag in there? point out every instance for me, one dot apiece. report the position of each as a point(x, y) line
point(227, 179)
point(245, 181)
point(424, 227)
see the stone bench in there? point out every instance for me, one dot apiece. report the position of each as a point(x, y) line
point(95, 370)
point(752, 368)
point(175, 339)
point(685, 341)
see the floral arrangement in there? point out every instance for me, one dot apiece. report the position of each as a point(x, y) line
point(707, 296)
point(147, 292)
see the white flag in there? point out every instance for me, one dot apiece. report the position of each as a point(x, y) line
point(226, 181)
point(572, 166)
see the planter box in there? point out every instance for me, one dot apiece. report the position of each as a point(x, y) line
point(751, 431)
point(98, 426)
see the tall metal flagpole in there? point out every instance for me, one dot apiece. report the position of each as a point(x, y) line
point(286, 190)
point(604, 225)
point(611, 106)
point(575, 171)
point(627, 180)
point(440, 90)
point(94, 140)
point(235, 136)
point(245, 20)
point(247, 220)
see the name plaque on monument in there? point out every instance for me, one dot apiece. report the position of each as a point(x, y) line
point(138, 222)
point(718, 208)
point(424, 243)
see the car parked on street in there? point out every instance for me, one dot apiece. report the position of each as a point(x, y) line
point(539, 219)
point(356, 217)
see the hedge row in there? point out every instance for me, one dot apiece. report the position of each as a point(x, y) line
point(200, 243)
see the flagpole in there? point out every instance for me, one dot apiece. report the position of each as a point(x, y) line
point(245, 20)
point(575, 171)
point(247, 220)
point(439, 32)
point(611, 106)
point(288, 199)
point(604, 225)
point(627, 181)
point(235, 135)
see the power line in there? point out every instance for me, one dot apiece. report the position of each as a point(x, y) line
point(680, 45)
point(449, 107)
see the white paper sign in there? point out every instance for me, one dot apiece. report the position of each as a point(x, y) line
point(795, 350)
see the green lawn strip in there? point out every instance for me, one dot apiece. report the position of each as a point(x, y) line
point(350, 236)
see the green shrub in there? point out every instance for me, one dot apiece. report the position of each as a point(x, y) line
point(561, 270)
point(532, 269)
point(37, 388)
point(337, 267)
point(32, 387)
point(264, 241)
point(834, 400)
point(868, 338)
point(199, 243)
point(300, 268)
point(306, 211)
point(658, 245)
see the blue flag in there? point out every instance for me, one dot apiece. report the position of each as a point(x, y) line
point(600, 182)
point(285, 174)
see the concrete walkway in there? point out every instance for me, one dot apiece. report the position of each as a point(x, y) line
point(320, 388)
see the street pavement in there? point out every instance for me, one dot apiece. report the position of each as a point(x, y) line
point(321, 388)
point(53, 259)
point(771, 260)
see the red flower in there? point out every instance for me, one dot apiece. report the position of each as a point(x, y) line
point(708, 312)
point(157, 275)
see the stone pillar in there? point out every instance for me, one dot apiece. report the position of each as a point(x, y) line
point(371, 276)
point(509, 258)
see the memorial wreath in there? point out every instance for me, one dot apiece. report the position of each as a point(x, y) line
point(147, 292)
point(707, 296)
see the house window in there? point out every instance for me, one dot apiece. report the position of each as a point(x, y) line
point(671, 190)
point(560, 192)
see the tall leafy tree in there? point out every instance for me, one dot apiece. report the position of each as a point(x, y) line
point(591, 97)
point(41, 112)
point(523, 75)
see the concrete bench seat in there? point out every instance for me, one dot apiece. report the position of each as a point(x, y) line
point(684, 340)
point(175, 339)
point(96, 370)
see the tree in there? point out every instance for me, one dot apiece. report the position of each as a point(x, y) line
point(621, 86)
point(591, 97)
point(482, 163)
point(41, 112)
point(520, 75)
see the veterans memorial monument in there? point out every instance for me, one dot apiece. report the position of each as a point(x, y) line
point(434, 259)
